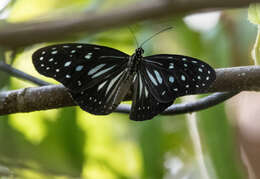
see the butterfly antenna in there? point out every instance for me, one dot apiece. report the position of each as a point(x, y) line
point(132, 32)
point(163, 30)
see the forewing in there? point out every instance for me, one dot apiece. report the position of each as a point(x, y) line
point(144, 105)
point(79, 66)
point(171, 76)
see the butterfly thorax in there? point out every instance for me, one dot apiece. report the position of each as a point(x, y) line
point(135, 59)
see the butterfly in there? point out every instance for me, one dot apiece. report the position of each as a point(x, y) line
point(98, 77)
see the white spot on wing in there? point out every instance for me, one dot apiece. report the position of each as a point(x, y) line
point(112, 82)
point(140, 87)
point(54, 52)
point(79, 46)
point(68, 76)
point(163, 93)
point(94, 70)
point(102, 71)
point(183, 78)
point(79, 68)
point(88, 56)
point(101, 85)
point(146, 92)
point(41, 58)
point(171, 66)
point(158, 76)
point(134, 77)
point(51, 59)
point(152, 78)
point(67, 64)
point(171, 79)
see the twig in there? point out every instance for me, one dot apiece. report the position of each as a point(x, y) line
point(198, 105)
point(21, 34)
point(19, 74)
point(55, 96)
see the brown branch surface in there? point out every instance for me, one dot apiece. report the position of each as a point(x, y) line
point(36, 98)
point(15, 35)
point(245, 78)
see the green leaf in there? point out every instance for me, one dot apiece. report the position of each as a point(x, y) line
point(256, 50)
point(254, 13)
point(218, 139)
point(152, 159)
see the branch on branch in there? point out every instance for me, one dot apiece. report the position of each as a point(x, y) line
point(54, 96)
point(16, 35)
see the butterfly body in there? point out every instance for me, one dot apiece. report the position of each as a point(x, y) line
point(99, 77)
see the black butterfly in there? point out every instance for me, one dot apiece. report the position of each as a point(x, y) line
point(99, 77)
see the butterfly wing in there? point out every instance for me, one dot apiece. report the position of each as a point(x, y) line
point(163, 78)
point(104, 97)
point(92, 73)
point(79, 66)
point(144, 105)
point(171, 76)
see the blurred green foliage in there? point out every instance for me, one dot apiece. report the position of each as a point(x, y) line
point(71, 143)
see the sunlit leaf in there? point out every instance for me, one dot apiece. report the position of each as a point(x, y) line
point(254, 13)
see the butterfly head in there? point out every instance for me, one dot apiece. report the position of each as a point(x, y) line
point(139, 52)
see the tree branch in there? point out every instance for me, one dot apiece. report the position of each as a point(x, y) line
point(20, 74)
point(32, 99)
point(21, 34)
point(55, 96)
